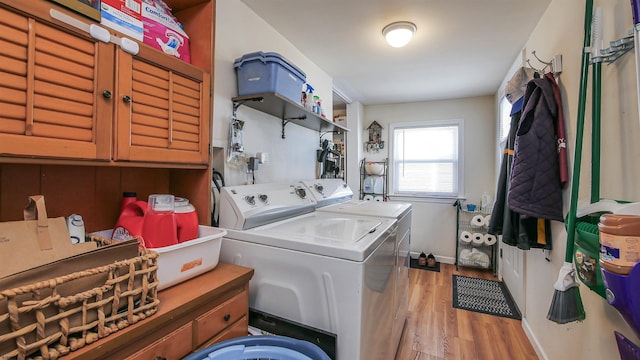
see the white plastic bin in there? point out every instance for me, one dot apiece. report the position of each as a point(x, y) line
point(180, 262)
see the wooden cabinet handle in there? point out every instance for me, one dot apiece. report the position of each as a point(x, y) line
point(106, 94)
point(126, 99)
point(227, 317)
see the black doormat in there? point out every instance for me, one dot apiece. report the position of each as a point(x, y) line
point(483, 296)
point(414, 264)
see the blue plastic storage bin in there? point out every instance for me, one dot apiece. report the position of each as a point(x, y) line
point(261, 347)
point(269, 72)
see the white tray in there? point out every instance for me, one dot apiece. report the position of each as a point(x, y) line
point(177, 263)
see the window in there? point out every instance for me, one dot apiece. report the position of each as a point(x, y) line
point(426, 159)
point(505, 120)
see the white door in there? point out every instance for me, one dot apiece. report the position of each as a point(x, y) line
point(511, 271)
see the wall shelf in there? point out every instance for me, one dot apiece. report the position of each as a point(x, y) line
point(286, 110)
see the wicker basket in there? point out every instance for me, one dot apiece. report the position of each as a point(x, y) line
point(43, 321)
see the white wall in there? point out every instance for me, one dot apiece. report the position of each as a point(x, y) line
point(355, 114)
point(560, 31)
point(240, 31)
point(434, 224)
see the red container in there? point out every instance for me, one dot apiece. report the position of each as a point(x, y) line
point(186, 220)
point(155, 228)
point(159, 230)
point(129, 224)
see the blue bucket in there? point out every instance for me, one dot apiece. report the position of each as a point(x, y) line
point(261, 347)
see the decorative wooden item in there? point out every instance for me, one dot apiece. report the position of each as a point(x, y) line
point(375, 143)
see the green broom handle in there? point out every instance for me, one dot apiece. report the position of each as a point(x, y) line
point(575, 181)
point(596, 126)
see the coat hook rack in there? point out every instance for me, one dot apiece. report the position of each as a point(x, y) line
point(554, 66)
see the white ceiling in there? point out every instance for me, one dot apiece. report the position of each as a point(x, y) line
point(462, 48)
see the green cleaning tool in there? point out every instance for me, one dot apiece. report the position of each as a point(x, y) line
point(566, 305)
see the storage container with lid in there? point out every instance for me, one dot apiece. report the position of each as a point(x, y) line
point(268, 72)
point(619, 242)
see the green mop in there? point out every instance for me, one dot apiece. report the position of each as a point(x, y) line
point(566, 305)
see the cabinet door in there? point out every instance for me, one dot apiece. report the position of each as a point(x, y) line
point(51, 86)
point(162, 111)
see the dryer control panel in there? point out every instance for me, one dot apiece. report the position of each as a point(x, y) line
point(247, 206)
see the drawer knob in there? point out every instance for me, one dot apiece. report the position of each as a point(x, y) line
point(126, 99)
point(106, 94)
point(159, 358)
point(227, 317)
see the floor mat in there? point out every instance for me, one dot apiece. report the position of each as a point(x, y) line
point(484, 296)
point(414, 265)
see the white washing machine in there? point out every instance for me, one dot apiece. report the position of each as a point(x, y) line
point(335, 196)
point(328, 271)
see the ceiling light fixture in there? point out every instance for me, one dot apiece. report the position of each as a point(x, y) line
point(399, 33)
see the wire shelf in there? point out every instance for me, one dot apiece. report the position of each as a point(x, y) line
point(470, 225)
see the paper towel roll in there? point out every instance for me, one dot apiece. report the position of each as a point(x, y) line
point(487, 220)
point(368, 197)
point(477, 221)
point(490, 239)
point(465, 237)
point(378, 198)
point(477, 238)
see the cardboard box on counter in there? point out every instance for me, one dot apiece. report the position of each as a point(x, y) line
point(52, 290)
point(124, 16)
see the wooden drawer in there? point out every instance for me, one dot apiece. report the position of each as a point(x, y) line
point(173, 346)
point(211, 323)
point(239, 329)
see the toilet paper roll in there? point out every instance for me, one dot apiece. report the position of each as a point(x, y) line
point(465, 237)
point(368, 198)
point(487, 220)
point(490, 239)
point(477, 221)
point(477, 238)
point(378, 198)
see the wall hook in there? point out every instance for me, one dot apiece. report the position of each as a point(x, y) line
point(554, 66)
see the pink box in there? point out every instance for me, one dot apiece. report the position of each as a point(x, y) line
point(164, 33)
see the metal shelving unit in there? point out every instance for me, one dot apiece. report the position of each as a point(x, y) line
point(473, 251)
point(385, 179)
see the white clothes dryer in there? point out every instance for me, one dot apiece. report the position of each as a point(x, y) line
point(335, 196)
point(332, 272)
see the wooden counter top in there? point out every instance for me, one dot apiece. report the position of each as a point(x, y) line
point(179, 304)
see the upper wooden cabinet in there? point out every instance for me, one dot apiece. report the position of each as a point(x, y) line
point(162, 111)
point(51, 85)
point(67, 95)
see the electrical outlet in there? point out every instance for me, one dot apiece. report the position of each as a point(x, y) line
point(252, 163)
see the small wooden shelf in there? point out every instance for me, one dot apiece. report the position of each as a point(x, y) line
point(286, 110)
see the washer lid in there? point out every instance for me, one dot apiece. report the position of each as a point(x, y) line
point(335, 228)
point(348, 237)
point(385, 209)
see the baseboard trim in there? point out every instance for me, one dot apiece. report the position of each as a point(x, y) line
point(533, 340)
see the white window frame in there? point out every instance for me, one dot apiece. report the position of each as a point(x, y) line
point(421, 196)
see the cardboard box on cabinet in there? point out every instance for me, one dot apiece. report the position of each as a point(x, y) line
point(163, 32)
point(124, 16)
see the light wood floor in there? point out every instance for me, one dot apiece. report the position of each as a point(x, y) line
point(435, 330)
